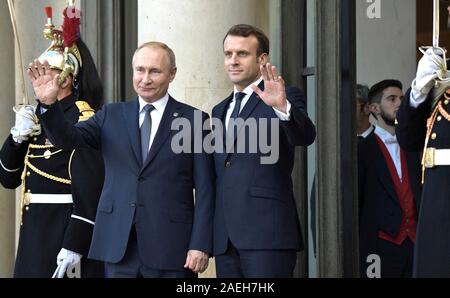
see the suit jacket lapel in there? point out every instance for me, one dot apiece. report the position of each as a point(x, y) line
point(382, 170)
point(251, 104)
point(131, 115)
point(249, 107)
point(171, 112)
point(219, 114)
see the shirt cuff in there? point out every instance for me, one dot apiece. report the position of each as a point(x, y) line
point(284, 116)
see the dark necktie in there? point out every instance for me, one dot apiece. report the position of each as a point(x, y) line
point(146, 130)
point(239, 96)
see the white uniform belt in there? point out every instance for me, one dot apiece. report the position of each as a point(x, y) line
point(31, 198)
point(437, 157)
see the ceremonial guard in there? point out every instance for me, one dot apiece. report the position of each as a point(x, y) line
point(60, 189)
point(423, 124)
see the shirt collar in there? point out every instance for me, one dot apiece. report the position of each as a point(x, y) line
point(248, 90)
point(384, 135)
point(366, 132)
point(159, 104)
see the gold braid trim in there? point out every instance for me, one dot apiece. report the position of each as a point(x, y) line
point(443, 112)
point(34, 146)
point(430, 126)
point(45, 156)
point(45, 175)
point(22, 195)
point(85, 110)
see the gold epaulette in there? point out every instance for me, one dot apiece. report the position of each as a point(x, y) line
point(85, 110)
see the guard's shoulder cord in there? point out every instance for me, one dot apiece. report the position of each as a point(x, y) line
point(85, 110)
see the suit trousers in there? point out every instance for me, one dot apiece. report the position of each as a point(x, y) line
point(131, 265)
point(238, 263)
point(396, 260)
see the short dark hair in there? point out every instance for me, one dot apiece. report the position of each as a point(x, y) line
point(362, 93)
point(245, 30)
point(376, 92)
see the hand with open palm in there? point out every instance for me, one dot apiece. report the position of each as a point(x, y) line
point(45, 83)
point(274, 93)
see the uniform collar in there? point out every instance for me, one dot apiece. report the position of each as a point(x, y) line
point(68, 102)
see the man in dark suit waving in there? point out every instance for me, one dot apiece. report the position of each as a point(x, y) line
point(256, 226)
point(147, 223)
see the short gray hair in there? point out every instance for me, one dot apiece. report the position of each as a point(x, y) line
point(157, 44)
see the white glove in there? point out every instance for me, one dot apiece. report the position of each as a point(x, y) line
point(427, 72)
point(65, 259)
point(26, 125)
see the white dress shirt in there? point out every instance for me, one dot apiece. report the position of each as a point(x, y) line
point(393, 147)
point(156, 114)
point(249, 91)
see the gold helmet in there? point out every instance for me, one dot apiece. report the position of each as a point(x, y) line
point(63, 53)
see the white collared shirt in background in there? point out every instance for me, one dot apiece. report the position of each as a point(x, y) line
point(393, 147)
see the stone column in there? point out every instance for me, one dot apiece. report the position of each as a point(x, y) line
point(7, 214)
point(336, 144)
point(195, 30)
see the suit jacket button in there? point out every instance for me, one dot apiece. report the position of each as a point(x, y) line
point(228, 164)
point(133, 205)
point(140, 179)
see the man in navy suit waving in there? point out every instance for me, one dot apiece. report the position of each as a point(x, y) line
point(256, 226)
point(148, 224)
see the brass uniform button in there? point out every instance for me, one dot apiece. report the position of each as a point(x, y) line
point(28, 174)
point(47, 154)
point(439, 118)
point(35, 139)
point(27, 208)
point(434, 136)
point(446, 101)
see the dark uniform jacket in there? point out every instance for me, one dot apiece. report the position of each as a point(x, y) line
point(432, 251)
point(47, 228)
